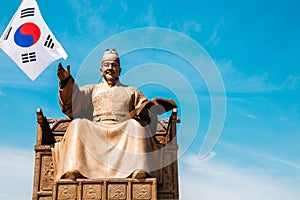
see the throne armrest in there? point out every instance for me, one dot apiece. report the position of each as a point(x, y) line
point(48, 135)
point(44, 134)
point(166, 129)
point(59, 128)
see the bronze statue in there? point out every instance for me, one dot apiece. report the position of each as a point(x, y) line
point(110, 134)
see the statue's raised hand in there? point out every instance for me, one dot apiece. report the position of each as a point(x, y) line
point(63, 74)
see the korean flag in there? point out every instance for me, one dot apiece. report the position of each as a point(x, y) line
point(29, 42)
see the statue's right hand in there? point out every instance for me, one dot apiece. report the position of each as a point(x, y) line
point(63, 74)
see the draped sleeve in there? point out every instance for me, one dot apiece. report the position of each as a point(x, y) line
point(140, 113)
point(138, 98)
point(75, 102)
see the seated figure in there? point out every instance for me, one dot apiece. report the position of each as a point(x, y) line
point(110, 135)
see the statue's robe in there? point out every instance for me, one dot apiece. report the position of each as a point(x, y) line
point(102, 140)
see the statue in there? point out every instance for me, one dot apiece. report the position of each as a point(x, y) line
point(111, 133)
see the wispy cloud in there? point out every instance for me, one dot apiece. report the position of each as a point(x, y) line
point(16, 169)
point(262, 156)
point(215, 36)
point(251, 116)
point(292, 82)
point(149, 17)
point(90, 15)
point(87, 15)
point(188, 27)
point(236, 81)
point(124, 7)
point(210, 156)
point(211, 180)
point(246, 112)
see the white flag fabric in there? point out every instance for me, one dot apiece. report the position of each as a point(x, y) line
point(28, 41)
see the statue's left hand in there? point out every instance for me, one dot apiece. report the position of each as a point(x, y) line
point(63, 74)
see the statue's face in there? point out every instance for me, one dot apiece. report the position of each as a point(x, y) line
point(110, 71)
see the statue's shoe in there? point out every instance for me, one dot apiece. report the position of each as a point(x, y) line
point(139, 174)
point(72, 175)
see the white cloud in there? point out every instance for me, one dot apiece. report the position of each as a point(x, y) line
point(211, 155)
point(149, 16)
point(246, 113)
point(207, 179)
point(292, 82)
point(124, 7)
point(211, 180)
point(16, 172)
point(235, 81)
point(88, 16)
point(214, 37)
point(262, 155)
point(188, 27)
point(251, 116)
point(191, 26)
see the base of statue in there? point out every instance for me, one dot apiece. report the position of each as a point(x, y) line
point(106, 189)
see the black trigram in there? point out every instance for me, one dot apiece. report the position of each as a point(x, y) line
point(27, 12)
point(49, 42)
point(7, 34)
point(28, 57)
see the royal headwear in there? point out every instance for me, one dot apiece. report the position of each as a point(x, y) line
point(110, 55)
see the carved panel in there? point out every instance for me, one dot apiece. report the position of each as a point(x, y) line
point(46, 198)
point(106, 189)
point(46, 173)
point(168, 172)
point(141, 191)
point(91, 192)
point(60, 126)
point(58, 137)
point(67, 192)
point(117, 191)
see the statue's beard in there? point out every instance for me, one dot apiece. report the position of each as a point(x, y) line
point(111, 80)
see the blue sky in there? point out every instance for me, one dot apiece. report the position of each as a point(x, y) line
point(254, 45)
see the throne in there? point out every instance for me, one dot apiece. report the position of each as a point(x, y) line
point(165, 186)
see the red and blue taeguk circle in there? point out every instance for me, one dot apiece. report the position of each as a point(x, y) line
point(27, 34)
